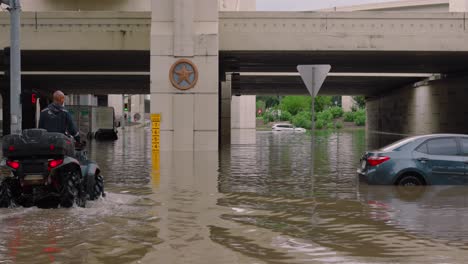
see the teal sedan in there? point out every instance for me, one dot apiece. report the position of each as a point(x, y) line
point(420, 160)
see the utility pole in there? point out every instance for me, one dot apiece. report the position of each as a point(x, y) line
point(14, 8)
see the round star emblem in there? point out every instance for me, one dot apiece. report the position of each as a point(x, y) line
point(183, 74)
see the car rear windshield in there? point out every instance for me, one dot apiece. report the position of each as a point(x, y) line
point(397, 146)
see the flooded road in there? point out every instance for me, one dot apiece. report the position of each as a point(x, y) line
point(255, 202)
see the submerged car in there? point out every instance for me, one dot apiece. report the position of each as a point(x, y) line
point(420, 160)
point(287, 127)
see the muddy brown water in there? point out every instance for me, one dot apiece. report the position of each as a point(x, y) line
point(250, 203)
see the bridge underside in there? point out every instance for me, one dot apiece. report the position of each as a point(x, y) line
point(85, 72)
point(342, 62)
point(111, 72)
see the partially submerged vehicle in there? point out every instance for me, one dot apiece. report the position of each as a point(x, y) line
point(287, 127)
point(47, 170)
point(95, 121)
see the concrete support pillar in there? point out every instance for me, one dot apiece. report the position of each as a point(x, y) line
point(243, 119)
point(435, 107)
point(243, 112)
point(137, 107)
point(185, 29)
point(458, 5)
point(85, 99)
point(347, 103)
point(225, 115)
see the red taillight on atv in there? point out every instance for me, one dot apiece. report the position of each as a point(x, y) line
point(13, 164)
point(11, 148)
point(374, 161)
point(52, 147)
point(55, 163)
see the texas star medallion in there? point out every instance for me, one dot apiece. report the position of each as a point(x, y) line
point(183, 74)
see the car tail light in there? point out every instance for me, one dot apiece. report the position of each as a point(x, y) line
point(55, 163)
point(11, 148)
point(13, 164)
point(374, 161)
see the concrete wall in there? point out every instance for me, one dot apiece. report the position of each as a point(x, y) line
point(86, 5)
point(458, 5)
point(237, 5)
point(339, 31)
point(400, 6)
point(434, 107)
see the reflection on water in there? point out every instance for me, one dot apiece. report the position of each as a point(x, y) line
point(254, 202)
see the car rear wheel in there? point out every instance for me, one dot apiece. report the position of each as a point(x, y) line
point(410, 180)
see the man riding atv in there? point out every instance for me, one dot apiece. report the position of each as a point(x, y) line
point(47, 168)
point(55, 118)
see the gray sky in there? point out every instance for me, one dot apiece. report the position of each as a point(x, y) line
point(301, 5)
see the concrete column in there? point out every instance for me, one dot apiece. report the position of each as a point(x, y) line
point(115, 101)
point(243, 112)
point(243, 119)
point(433, 107)
point(226, 96)
point(347, 103)
point(185, 29)
point(458, 5)
point(88, 99)
point(137, 107)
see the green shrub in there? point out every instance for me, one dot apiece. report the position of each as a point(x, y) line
point(325, 115)
point(302, 119)
point(336, 111)
point(319, 124)
point(339, 125)
point(361, 112)
point(360, 120)
point(330, 125)
point(285, 116)
point(349, 117)
point(268, 117)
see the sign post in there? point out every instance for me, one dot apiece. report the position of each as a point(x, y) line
point(313, 77)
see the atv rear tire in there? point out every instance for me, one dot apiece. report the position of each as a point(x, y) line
point(6, 195)
point(72, 191)
point(98, 190)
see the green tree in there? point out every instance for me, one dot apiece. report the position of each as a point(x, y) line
point(260, 105)
point(322, 103)
point(302, 119)
point(360, 101)
point(295, 104)
point(270, 101)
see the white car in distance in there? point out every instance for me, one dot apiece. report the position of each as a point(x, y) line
point(287, 127)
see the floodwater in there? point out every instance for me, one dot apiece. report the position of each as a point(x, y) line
point(255, 202)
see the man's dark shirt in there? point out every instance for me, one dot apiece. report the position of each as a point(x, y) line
point(55, 118)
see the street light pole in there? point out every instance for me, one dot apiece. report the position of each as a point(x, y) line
point(14, 7)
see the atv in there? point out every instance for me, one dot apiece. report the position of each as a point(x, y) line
point(47, 170)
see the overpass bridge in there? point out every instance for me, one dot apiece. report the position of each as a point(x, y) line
point(112, 52)
point(359, 42)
